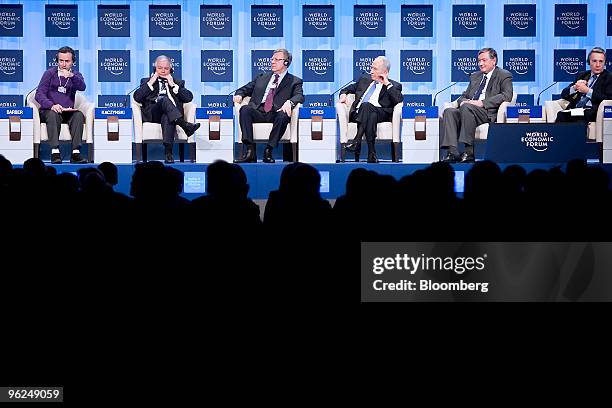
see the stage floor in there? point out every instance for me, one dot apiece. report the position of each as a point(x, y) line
point(264, 178)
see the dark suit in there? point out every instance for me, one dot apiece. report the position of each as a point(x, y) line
point(461, 123)
point(164, 111)
point(369, 116)
point(289, 89)
point(602, 89)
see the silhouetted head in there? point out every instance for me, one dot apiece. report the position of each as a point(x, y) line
point(110, 172)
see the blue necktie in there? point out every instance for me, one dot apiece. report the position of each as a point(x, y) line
point(368, 94)
point(480, 88)
point(582, 103)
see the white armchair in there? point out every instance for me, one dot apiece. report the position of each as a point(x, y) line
point(483, 130)
point(595, 129)
point(148, 132)
point(385, 131)
point(261, 131)
point(40, 129)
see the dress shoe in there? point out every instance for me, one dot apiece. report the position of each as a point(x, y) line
point(372, 158)
point(169, 158)
point(77, 159)
point(351, 146)
point(250, 156)
point(466, 158)
point(268, 155)
point(450, 158)
point(189, 128)
point(56, 158)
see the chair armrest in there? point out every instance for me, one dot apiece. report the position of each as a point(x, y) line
point(554, 107)
point(35, 121)
point(189, 112)
point(599, 120)
point(87, 109)
point(137, 115)
point(447, 105)
point(342, 111)
point(502, 112)
point(396, 122)
point(295, 114)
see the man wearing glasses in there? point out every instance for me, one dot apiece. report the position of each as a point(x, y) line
point(273, 96)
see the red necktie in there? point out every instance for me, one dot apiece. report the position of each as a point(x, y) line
point(270, 96)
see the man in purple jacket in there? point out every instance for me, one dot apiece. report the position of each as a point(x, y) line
point(55, 94)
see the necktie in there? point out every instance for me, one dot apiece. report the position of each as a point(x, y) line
point(270, 96)
point(582, 103)
point(368, 94)
point(480, 88)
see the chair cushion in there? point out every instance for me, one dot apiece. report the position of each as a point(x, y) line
point(64, 133)
point(153, 131)
point(261, 132)
point(384, 131)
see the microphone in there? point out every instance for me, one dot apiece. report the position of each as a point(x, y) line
point(331, 97)
point(28, 94)
point(228, 100)
point(440, 91)
point(127, 97)
point(549, 86)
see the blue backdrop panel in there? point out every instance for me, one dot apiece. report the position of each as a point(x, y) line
point(220, 36)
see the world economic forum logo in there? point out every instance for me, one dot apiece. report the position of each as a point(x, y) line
point(468, 21)
point(164, 21)
point(521, 63)
point(11, 65)
point(266, 21)
point(318, 21)
point(570, 20)
point(260, 61)
point(216, 21)
point(318, 65)
point(416, 65)
point(362, 61)
point(61, 20)
point(417, 21)
point(114, 66)
point(217, 65)
point(538, 141)
point(519, 20)
point(113, 21)
point(568, 63)
point(369, 21)
point(464, 63)
point(11, 20)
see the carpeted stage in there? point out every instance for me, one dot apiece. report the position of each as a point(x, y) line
point(264, 178)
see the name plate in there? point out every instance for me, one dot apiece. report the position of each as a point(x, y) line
point(120, 113)
point(539, 143)
point(534, 112)
point(607, 112)
point(324, 112)
point(23, 113)
point(409, 112)
point(223, 113)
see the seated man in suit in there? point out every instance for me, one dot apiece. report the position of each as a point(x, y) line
point(375, 97)
point(56, 94)
point(273, 96)
point(590, 88)
point(162, 98)
point(488, 89)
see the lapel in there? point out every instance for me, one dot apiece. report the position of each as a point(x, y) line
point(283, 83)
point(489, 87)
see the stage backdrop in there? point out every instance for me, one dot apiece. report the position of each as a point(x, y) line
point(217, 46)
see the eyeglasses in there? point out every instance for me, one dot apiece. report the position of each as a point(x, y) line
point(277, 59)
